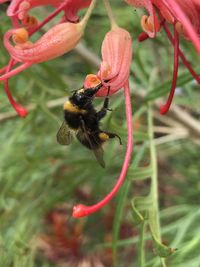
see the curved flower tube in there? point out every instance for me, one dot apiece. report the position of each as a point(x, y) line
point(185, 17)
point(57, 41)
point(82, 210)
point(164, 109)
point(114, 73)
point(181, 54)
point(187, 14)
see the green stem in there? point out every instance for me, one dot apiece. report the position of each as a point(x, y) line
point(154, 211)
point(141, 245)
point(88, 13)
point(110, 14)
point(122, 201)
point(154, 181)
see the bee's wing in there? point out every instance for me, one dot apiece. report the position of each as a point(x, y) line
point(64, 135)
point(98, 152)
point(99, 156)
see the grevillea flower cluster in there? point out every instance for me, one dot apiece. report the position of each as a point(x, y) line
point(60, 39)
point(113, 73)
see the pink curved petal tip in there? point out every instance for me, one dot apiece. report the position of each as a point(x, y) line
point(79, 211)
point(163, 109)
point(22, 112)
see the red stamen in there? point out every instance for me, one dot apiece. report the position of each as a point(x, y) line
point(22, 112)
point(49, 17)
point(82, 210)
point(164, 109)
point(15, 71)
point(3, 70)
point(143, 36)
point(177, 11)
point(185, 62)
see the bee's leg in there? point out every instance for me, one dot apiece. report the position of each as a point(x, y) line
point(102, 112)
point(104, 136)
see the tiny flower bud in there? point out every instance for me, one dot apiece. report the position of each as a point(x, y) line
point(179, 28)
point(148, 24)
point(20, 36)
point(30, 21)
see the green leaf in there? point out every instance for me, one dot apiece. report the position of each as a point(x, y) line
point(137, 216)
point(140, 136)
point(161, 249)
point(165, 87)
point(140, 173)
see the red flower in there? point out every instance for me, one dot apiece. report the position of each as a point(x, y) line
point(58, 40)
point(184, 15)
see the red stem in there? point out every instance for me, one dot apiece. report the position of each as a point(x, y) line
point(186, 63)
point(82, 210)
point(3, 70)
point(11, 73)
point(22, 112)
point(48, 18)
point(164, 109)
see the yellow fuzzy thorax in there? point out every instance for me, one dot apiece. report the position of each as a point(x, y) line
point(68, 106)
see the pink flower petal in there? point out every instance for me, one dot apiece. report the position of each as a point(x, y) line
point(117, 53)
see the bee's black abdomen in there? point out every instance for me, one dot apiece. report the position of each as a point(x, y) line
point(72, 119)
point(91, 141)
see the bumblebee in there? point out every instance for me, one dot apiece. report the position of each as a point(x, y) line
point(81, 119)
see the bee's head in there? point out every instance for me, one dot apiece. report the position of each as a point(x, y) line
point(84, 96)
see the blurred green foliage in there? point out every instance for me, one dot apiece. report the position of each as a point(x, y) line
point(36, 174)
